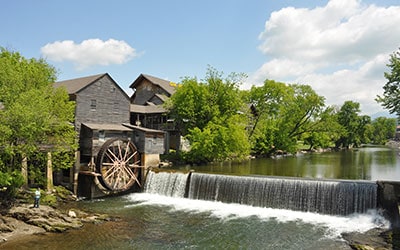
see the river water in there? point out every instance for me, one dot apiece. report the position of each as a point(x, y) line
point(150, 220)
point(368, 163)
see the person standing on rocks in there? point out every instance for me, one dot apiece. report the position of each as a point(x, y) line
point(37, 198)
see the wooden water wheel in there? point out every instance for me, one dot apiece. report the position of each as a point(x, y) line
point(118, 164)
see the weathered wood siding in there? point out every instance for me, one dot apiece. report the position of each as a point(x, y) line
point(86, 141)
point(91, 141)
point(149, 142)
point(145, 91)
point(112, 105)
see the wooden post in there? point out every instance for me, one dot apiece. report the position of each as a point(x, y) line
point(143, 170)
point(76, 169)
point(49, 172)
point(24, 170)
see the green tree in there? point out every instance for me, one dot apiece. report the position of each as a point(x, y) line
point(33, 115)
point(210, 115)
point(382, 129)
point(284, 113)
point(391, 95)
point(354, 125)
point(326, 131)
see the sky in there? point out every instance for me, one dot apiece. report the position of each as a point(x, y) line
point(338, 47)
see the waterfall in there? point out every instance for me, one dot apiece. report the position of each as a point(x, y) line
point(333, 197)
point(320, 196)
point(165, 183)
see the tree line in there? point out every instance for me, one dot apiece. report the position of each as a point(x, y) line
point(223, 122)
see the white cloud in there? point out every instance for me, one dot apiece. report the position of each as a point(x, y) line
point(89, 52)
point(340, 49)
point(361, 84)
point(278, 68)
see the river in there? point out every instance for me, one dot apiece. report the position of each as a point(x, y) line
point(367, 163)
point(154, 221)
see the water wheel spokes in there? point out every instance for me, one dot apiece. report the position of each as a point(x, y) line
point(118, 163)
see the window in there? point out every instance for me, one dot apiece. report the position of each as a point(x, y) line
point(93, 104)
point(102, 135)
point(116, 107)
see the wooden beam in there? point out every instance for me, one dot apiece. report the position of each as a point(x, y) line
point(49, 172)
point(24, 170)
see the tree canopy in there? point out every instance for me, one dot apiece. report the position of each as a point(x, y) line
point(285, 113)
point(391, 95)
point(223, 122)
point(34, 116)
point(210, 114)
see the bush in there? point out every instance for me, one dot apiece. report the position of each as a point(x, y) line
point(9, 184)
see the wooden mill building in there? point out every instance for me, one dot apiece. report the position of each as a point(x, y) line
point(106, 117)
point(99, 100)
point(149, 95)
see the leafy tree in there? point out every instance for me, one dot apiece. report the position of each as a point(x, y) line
point(354, 125)
point(9, 183)
point(210, 114)
point(189, 105)
point(391, 95)
point(326, 131)
point(382, 129)
point(33, 115)
point(218, 141)
point(196, 103)
point(284, 113)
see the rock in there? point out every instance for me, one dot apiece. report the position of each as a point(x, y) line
point(22, 219)
point(71, 214)
point(17, 228)
point(4, 227)
point(372, 239)
point(44, 217)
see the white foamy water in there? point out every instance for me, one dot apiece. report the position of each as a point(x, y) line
point(334, 225)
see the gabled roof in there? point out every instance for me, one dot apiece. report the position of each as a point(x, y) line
point(73, 86)
point(164, 84)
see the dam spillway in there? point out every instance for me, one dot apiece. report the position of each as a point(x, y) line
point(333, 197)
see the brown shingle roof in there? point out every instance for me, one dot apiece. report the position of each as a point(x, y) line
point(112, 127)
point(73, 86)
point(143, 129)
point(164, 84)
point(162, 97)
point(149, 109)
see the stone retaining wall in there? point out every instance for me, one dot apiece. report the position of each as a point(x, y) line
point(388, 201)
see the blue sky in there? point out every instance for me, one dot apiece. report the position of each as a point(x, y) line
point(339, 47)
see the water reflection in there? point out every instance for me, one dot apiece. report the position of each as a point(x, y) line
point(369, 163)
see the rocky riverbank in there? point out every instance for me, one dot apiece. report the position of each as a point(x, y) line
point(374, 239)
point(23, 219)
